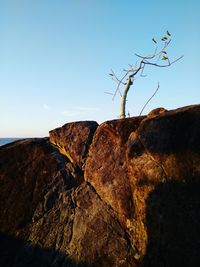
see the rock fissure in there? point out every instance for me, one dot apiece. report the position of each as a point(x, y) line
point(103, 201)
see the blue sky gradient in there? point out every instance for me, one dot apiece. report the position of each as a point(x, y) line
point(55, 57)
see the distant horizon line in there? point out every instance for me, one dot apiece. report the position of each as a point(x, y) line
point(22, 137)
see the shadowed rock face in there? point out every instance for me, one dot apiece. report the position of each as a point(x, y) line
point(50, 216)
point(165, 180)
point(31, 172)
point(133, 200)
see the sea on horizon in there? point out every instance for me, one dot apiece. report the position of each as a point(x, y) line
point(4, 141)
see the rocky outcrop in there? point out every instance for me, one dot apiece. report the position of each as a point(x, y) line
point(140, 172)
point(164, 169)
point(51, 217)
point(106, 167)
point(132, 200)
point(74, 139)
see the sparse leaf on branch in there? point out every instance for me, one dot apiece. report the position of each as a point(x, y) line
point(168, 33)
point(164, 38)
point(164, 58)
point(154, 40)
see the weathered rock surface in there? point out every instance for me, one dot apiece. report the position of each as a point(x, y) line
point(135, 202)
point(165, 181)
point(149, 173)
point(106, 166)
point(48, 218)
point(73, 140)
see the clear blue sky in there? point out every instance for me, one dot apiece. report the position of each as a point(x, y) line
point(55, 57)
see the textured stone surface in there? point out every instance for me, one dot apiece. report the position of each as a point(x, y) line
point(135, 204)
point(73, 140)
point(98, 238)
point(50, 217)
point(165, 179)
point(106, 167)
point(31, 174)
point(141, 171)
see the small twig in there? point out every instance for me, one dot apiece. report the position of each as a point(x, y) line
point(149, 100)
point(108, 93)
point(162, 66)
point(120, 81)
point(142, 71)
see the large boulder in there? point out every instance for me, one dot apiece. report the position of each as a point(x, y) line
point(73, 140)
point(50, 216)
point(106, 167)
point(147, 169)
point(163, 160)
point(32, 173)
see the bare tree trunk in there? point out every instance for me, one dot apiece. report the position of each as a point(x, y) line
point(123, 99)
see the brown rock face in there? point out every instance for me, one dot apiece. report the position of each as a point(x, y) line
point(149, 174)
point(106, 167)
point(165, 181)
point(51, 217)
point(31, 174)
point(134, 204)
point(73, 140)
point(98, 237)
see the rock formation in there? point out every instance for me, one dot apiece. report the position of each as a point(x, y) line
point(125, 193)
point(73, 140)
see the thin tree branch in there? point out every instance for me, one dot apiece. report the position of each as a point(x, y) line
point(108, 93)
point(155, 54)
point(162, 66)
point(120, 81)
point(149, 99)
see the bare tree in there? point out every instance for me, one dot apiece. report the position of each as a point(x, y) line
point(159, 59)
